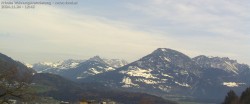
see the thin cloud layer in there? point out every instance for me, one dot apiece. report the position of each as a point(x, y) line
point(219, 27)
point(52, 32)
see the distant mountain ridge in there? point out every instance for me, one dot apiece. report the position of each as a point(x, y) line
point(51, 85)
point(164, 71)
point(60, 65)
point(231, 66)
point(78, 69)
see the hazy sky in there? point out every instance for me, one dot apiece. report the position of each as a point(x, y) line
point(127, 29)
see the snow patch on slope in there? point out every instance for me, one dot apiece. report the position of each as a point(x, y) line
point(127, 82)
point(232, 67)
point(232, 84)
point(164, 50)
point(138, 72)
point(79, 77)
point(116, 63)
point(51, 64)
point(148, 81)
point(183, 84)
point(167, 59)
point(93, 70)
point(109, 69)
point(29, 65)
point(166, 75)
point(164, 88)
point(74, 64)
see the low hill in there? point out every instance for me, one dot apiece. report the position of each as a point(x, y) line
point(63, 89)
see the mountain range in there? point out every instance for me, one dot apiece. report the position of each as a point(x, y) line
point(164, 72)
point(78, 69)
point(62, 89)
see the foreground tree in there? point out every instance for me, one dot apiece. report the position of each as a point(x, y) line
point(231, 98)
point(14, 86)
point(245, 97)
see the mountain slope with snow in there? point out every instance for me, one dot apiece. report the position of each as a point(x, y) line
point(92, 66)
point(116, 63)
point(49, 67)
point(169, 71)
point(163, 70)
point(228, 65)
point(78, 69)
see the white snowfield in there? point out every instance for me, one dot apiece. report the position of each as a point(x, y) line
point(127, 82)
point(138, 72)
point(232, 84)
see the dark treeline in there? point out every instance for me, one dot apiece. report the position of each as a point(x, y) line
point(232, 98)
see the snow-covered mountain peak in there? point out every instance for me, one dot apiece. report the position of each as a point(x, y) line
point(66, 64)
point(169, 53)
point(164, 58)
point(51, 64)
point(70, 63)
point(203, 57)
point(224, 63)
point(167, 70)
point(163, 50)
point(116, 63)
point(162, 68)
point(96, 58)
point(28, 65)
point(78, 69)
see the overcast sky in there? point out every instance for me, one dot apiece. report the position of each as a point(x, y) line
point(127, 29)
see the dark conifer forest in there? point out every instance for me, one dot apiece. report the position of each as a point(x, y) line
point(232, 98)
